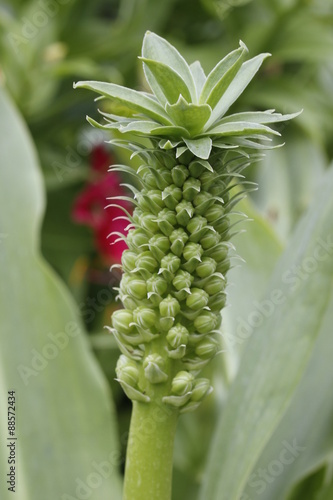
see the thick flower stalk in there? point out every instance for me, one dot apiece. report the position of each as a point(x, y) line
point(174, 271)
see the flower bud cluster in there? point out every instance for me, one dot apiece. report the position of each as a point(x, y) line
point(173, 286)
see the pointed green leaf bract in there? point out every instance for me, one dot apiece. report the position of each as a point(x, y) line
point(156, 48)
point(199, 76)
point(221, 76)
point(236, 87)
point(258, 117)
point(138, 127)
point(169, 82)
point(240, 128)
point(190, 116)
point(136, 101)
point(172, 131)
point(200, 147)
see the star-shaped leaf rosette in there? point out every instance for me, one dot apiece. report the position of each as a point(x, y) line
point(174, 271)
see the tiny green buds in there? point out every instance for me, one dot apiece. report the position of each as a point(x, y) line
point(153, 366)
point(177, 336)
point(173, 286)
point(159, 245)
point(169, 307)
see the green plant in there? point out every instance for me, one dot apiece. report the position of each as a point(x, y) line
point(173, 286)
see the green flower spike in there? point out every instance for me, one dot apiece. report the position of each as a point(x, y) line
point(174, 272)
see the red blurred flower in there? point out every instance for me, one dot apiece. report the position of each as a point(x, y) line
point(90, 207)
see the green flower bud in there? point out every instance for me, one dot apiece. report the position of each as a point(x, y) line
point(159, 245)
point(177, 335)
point(146, 264)
point(148, 222)
point(137, 288)
point(182, 280)
point(209, 240)
point(215, 284)
point(202, 202)
point(182, 383)
point(171, 264)
point(145, 203)
point(178, 353)
point(137, 239)
point(193, 251)
point(191, 188)
point(222, 225)
point(156, 285)
point(201, 389)
point(153, 366)
point(155, 196)
point(218, 252)
point(198, 299)
point(207, 348)
point(206, 268)
point(179, 175)
point(166, 221)
point(178, 238)
point(217, 302)
point(217, 188)
point(172, 196)
point(223, 266)
point(192, 254)
point(122, 320)
point(197, 167)
point(128, 260)
point(137, 214)
point(207, 179)
point(148, 177)
point(165, 324)
point(206, 322)
point(177, 401)
point(214, 213)
point(185, 212)
point(169, 307)
point(144, 317)
point(163, 177)
point(197, 227)
point(127, 370)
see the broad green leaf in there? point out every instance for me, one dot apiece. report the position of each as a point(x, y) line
point(236, 87)
point(296, 312)
point(240, 128)
point(134, 100)
point(260, 249)
point(156, 48)
point(169, 82)
point(258, 117)
point(171, 131)
point(199, 76)
point(190, 116)
point(288, 179)
point(65, 420)
point(222, 75)
point(313, 433)
point(200, 147)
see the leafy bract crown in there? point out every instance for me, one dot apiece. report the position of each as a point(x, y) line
point(187, 109)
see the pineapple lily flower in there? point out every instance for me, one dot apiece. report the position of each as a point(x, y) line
point(174, 280)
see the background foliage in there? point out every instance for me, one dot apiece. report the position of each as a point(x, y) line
point(273, 382)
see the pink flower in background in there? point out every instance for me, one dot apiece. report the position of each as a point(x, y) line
point(90, 207)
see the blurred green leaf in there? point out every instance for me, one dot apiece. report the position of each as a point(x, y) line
point(65, 419)
point(296, 312)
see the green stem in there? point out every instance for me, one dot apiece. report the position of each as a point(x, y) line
point(148, 474)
